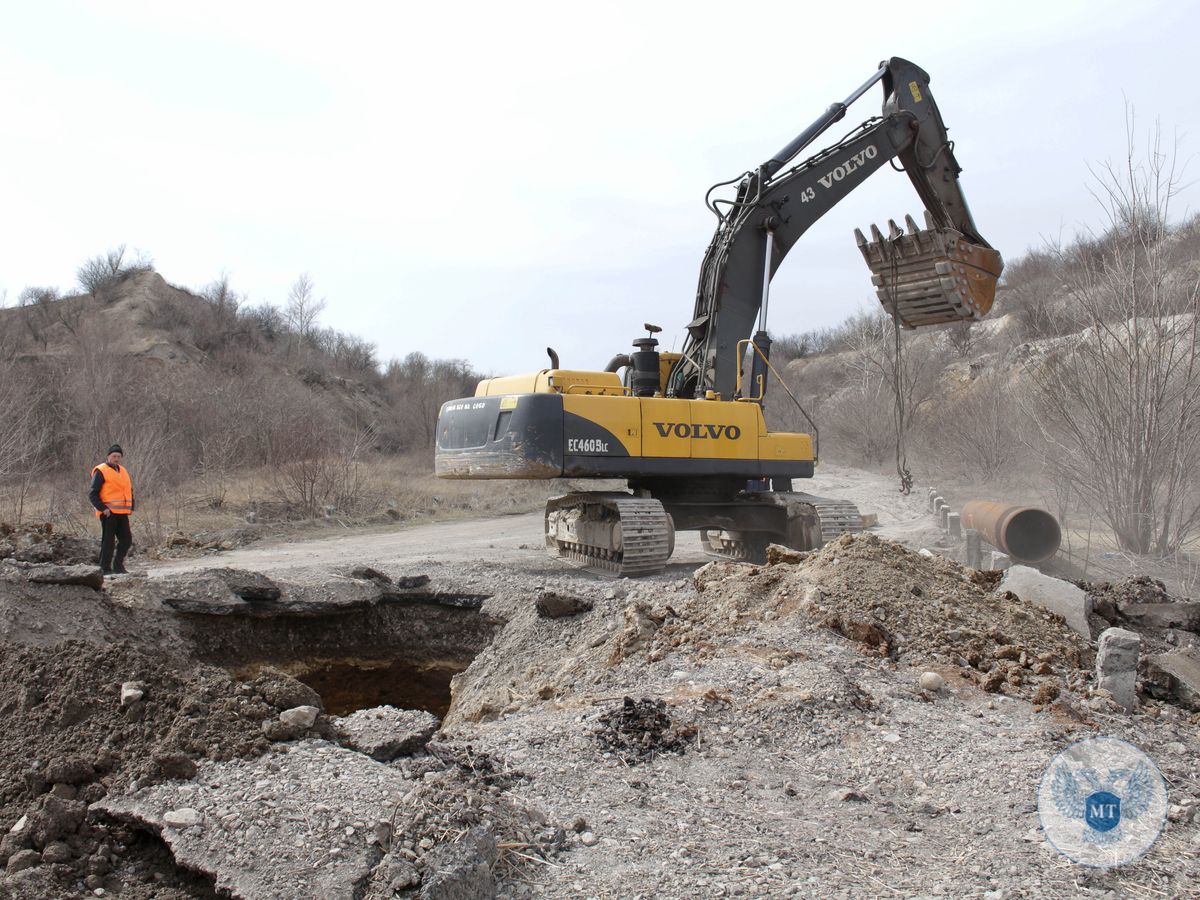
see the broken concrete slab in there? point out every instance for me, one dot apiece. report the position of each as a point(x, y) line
point(386, 733)
point(1053, 594)
point(1180, 669)
point(212, 594)
point(1116, 665)
point(87, 576)
point(276, 827)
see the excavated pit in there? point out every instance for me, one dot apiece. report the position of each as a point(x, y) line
point(399, 651)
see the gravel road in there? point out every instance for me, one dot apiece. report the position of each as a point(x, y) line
point(517, 540)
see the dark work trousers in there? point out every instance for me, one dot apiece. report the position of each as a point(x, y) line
point(114, 528)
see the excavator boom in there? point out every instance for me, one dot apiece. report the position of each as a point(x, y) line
point(944, 273)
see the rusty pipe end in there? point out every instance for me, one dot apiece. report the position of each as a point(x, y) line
point(1025, 533)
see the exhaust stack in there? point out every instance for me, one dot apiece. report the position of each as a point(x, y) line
point(1025, 533)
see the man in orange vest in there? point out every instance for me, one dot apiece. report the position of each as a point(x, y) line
point(112, 496)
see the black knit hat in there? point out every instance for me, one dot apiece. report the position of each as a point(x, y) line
point(115, 448)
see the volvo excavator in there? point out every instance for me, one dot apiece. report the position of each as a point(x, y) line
point(686, 430)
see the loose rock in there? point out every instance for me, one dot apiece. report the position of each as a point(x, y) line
point(300, 716)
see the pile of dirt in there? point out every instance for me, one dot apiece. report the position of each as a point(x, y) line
point(908, 607)
point(82, 721)
point(42, 544)
point(639, 730)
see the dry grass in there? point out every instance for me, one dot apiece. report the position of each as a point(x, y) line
point(393, 490)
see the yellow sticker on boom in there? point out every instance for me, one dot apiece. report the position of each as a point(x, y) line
point(508, 402)
point(915, 89)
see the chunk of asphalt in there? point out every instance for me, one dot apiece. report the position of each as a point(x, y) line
point(87, 576)
point(278, 826)
point(462, 870)
point(386, 733)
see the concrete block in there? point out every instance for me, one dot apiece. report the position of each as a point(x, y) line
point(943, 512)
point(1054, 594)
point(954, 525)
point(999, 560)
point(974, 549)
point(1116, 665)
point(933, 494)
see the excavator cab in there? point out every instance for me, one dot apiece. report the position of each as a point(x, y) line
point(931, 275)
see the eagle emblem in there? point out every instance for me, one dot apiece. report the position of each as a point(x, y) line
point(1102, 804)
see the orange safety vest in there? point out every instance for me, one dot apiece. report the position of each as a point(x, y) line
point(117, 491)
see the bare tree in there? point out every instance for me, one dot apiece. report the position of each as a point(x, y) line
point(303, 309)
point(1120, 404)
point(962, 338)
point(101, 272)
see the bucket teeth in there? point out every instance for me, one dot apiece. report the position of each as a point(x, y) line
point(930, 276)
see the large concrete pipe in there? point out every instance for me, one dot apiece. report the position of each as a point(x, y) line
point(1023, 532)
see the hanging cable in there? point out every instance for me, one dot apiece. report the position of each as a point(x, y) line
point(898, 410)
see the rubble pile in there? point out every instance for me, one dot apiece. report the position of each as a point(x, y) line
point(42, 544)
point(84, 721)
point(460, 815)
point(1168, 630)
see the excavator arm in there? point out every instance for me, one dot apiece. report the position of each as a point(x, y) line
point(946, 272)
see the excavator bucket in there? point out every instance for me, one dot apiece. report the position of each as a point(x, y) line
point(930, 276)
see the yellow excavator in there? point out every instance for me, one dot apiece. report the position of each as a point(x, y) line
point(686, 430)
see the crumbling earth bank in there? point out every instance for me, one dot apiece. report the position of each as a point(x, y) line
point(83, 722)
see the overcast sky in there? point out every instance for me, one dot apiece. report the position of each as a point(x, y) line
point(481, 180)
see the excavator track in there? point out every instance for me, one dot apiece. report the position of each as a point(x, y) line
point(837, 517)
point(615, 535)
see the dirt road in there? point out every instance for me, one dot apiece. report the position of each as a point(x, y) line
point(517, 540)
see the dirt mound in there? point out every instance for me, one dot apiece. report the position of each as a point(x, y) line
point(908, 607)
point(82, 721)
point(42, 544)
